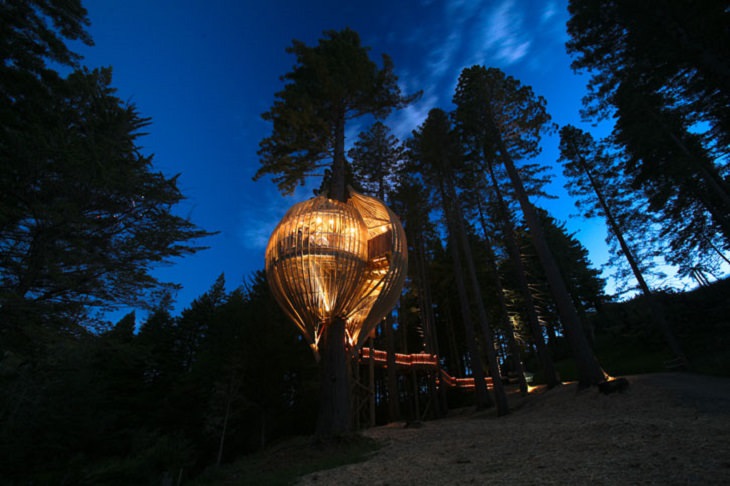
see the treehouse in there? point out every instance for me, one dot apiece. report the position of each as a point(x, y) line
point(328, 259)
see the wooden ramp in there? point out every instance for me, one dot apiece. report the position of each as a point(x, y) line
point(421, 361)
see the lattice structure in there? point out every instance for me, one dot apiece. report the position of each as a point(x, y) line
point(327, 259)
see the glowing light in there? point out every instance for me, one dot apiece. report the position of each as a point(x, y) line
point(352, 268)
point(423, 361)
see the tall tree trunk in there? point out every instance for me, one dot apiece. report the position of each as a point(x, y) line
point(655, 306)
point(229, 399)
point(499, 394)
point(589, 371)
point(334, 417)
point(371, 383)
point(334, 406)
point(458, 366)
point(480, 388)
point(428, 319)
point(391, 372)
point(499, 290)
point(530, 308)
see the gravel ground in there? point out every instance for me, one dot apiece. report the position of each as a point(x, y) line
point(666, 429)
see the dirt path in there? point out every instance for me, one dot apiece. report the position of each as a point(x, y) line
point(669, 428)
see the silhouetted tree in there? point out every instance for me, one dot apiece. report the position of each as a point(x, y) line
point(331, 83)
point(590, 177)
point(435, 149)
point(507, 120)
point(87, 216)
point(662, 71)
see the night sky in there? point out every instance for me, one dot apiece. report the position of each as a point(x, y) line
point(204, 71)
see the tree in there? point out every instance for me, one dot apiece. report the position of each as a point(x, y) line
point(679, 48)
point(331, 83)
point(506, 119)
point(663, 73)
point(436, 150)
point(376, 157)
point(671, 165)
point(505, 223)
point(412, 204)
point(34, 33)
point(87, 218)
point(84, 217)
point(589, 171)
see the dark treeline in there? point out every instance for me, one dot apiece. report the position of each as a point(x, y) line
point(125, 406)
point(497, 286)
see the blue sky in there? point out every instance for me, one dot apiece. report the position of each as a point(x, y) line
point(205, 71)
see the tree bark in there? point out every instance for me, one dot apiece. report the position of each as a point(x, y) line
point(506, 324)
point(480, 388)
point(391, 372)
point(428, 320)
point(589, 370)
point(334, 407)
point(499, 394)
point(657, 310)
point(543, 353)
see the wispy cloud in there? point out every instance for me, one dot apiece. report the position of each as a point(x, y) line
point(548, 12)
point(259, 216)
point(503, 37)
point(403, 122)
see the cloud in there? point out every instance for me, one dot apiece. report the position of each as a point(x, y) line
point(404, 121)
point(259, 217)
point(550, 11)
point(503, 36)
point(442, 57)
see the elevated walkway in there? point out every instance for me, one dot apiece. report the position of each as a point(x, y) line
point(421, 361)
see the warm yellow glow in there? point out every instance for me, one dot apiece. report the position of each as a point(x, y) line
point(423, 361)
point(352, 268)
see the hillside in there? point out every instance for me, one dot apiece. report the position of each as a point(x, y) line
point(668, 428)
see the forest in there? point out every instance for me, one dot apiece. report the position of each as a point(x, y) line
point(496, 286)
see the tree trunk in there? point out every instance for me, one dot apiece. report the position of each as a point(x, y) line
point(589, 371)
point(428, 319)
point(371, 383)
point(334, 417)
point(391, 372)
point(480, 388)
point(221, 442)
point(656, 308)
point(543, 354)
point(499, 394)
point(334, 406)
point(506, 324)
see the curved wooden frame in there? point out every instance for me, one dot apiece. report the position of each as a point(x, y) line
point(328, 259)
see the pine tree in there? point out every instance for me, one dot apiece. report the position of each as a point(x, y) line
point(436, 150)
point(85, 217)
point(588, 169)
point(330, 84)
point(376, 157)
point(507, 119)
point(662, 72)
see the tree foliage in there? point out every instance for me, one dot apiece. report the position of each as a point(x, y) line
point(679, 49)
point(377, 156)
point(662, 71)
point(84, 215)
point(331, 83)
point(506, 120)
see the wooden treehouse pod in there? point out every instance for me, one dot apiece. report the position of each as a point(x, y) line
point(327, 259)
